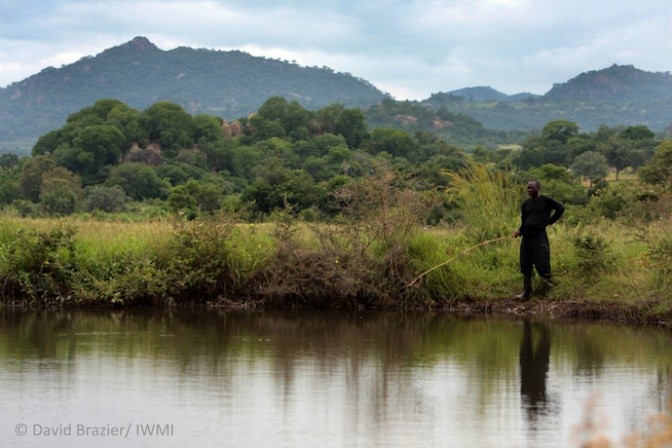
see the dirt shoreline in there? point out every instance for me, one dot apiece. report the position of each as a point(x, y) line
point(577, 310)
point(642, 314)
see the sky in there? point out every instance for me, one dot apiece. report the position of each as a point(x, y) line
point(409, 49)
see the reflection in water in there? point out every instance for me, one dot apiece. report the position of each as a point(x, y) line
point(535, 354)
point(321, 379)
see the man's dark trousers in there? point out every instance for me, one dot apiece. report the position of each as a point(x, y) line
point(535, 253)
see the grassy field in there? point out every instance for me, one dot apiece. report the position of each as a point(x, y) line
point(71, 262)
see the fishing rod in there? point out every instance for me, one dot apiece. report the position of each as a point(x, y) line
point(456, 256)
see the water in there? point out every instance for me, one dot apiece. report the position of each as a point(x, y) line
point(307, 379)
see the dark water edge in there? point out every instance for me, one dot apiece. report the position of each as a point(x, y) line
point(644, 313)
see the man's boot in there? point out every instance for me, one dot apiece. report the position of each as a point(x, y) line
point(527, 289)
point(546, 286)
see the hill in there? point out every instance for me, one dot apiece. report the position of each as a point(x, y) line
point(617, 95)
point(487, 93)
point(617, 84)
point(232, 84)
point(228, 84)
point(455, 128)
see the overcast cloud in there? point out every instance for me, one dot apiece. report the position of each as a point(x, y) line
point(409, 49)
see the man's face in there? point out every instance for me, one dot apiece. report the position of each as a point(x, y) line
point(532, 189)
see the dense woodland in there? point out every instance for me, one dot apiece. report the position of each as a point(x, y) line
point(111, 158)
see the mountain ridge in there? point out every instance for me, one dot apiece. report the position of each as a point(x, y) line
point(616, 95)
point(229, 84)
point(232, 84)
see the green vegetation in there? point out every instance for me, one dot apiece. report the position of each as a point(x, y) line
point(298, 208)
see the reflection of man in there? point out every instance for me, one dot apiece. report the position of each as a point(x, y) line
point(534, 360)
point(537, 212)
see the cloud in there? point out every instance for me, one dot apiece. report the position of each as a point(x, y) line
point(409, 48)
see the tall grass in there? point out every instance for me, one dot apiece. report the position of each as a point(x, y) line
point(488, 202)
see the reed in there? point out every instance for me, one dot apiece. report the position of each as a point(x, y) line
point(488, 202)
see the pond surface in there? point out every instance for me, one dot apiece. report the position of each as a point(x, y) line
point(308, 379)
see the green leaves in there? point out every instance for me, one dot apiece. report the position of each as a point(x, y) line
point(39, 265)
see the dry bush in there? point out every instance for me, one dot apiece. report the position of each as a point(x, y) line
point(361, 262)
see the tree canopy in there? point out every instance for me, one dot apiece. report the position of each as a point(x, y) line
point(285, 157)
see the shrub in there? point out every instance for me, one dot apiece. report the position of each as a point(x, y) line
point(108, 199)
point(24, 208)
point(357, 262)
point(593, 254)
point(198, 263)
point(58, 198)
point(39, 265)
point(661, 257)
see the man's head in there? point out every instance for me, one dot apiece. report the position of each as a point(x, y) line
point(533, 188)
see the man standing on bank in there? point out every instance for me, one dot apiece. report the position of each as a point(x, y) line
point(537, 212)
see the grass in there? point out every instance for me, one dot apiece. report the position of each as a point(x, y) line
point(368, 260)
point(158, 262)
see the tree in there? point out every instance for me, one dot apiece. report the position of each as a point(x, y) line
point(9, 187)
point(9, 161)
point(639, 132)
point(558, 182)
point(296, 121)
point(658, 171)
point(32, 172)
point(104, 142)
point(261, 196)
point(58, 197)
point(246, 160)
point(194, 197)
point(631, 147)
point(395, 142)
point(59, 172)
point(560, 130)
point(107, 127)
point(47, 143)
point(352, 126)
point(193, 157)
point(182, 199)
point(530, 158)
point(263, 128)
point(275, 108)
point(220, 155)
point(168, 124)
point(619, 153)
point(129, 121)
point(108, 199)
point(138, 181)
point(207, 129)
point(591, 165)
point(96, 114)
point(291, 116)
point(327, 119)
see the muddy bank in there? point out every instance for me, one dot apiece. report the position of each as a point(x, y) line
point(643, 313)
point(571, 309)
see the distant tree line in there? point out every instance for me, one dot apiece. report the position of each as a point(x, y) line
point(109, 156)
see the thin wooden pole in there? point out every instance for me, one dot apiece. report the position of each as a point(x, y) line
point(456, 256)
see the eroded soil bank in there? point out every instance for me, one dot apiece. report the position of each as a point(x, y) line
point(575, 309)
